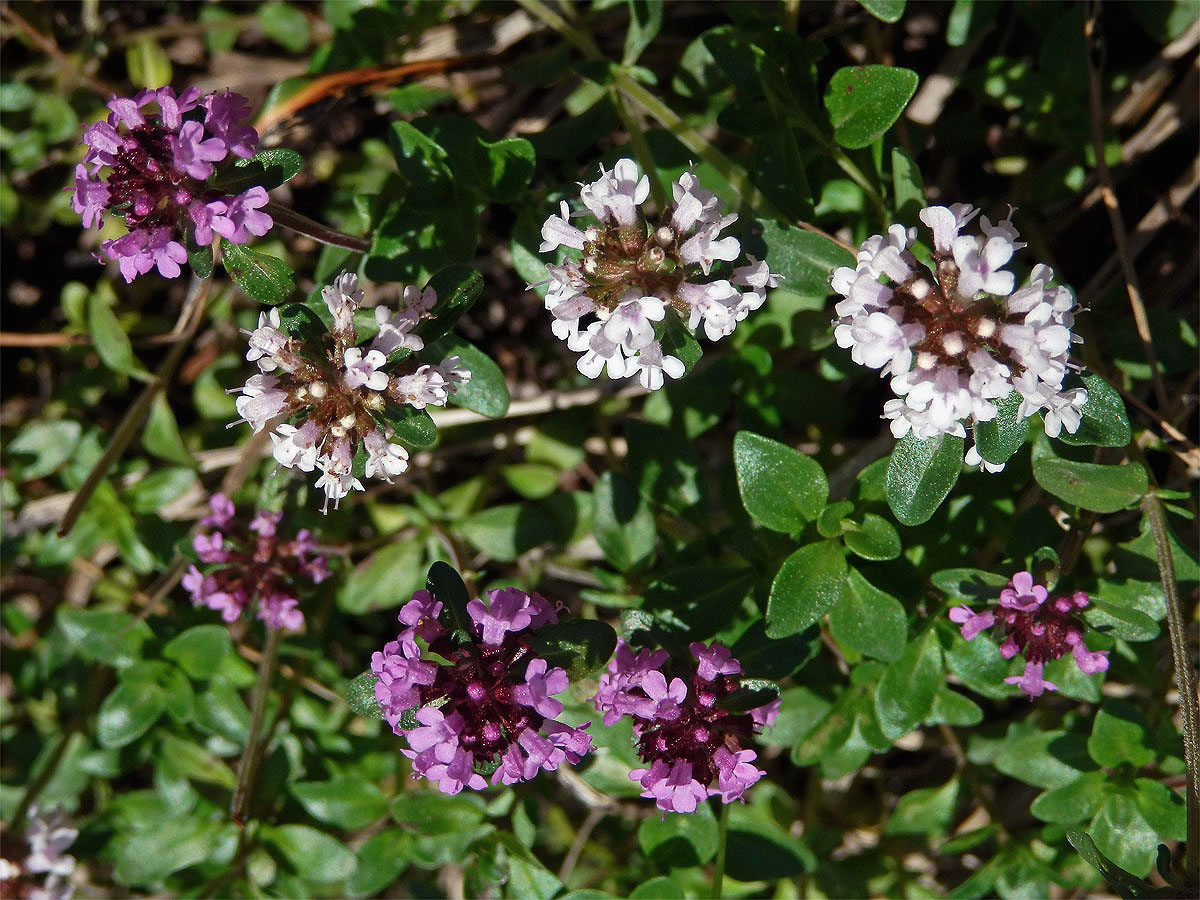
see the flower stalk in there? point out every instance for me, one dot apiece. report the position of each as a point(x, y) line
point(1185, 678)
point(320, 233)
point(247, 773)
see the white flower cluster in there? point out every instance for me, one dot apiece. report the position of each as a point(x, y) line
point(956, 340)
point(632, 273)
point(335, 394)
point(47, 835)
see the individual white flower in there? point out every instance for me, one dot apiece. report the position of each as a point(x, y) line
point(975, 460)
point(651, 364)
point(384, 458)
point(632, 323)
point(266, 341)
point(600, 353)
point(363, 369)
point(557, 231)
point(260, 401)
point(337, 476)
point(296, 448)
point(343, 297)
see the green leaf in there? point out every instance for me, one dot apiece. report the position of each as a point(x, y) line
point(660, 888)
point(147, 856)
point(380, 861)
point(952, 708)
point(384, 580)
point(925, 810)
point(457, 289)
point(781, 488)
point(129, 711)
point(1000, 438)
point(113, 638)
point(313, 854)
point(645, 20)
point(1099, 488)
point(345, 802)
point(809, 584)
point(1122, 833)
point(267, 169)
point(148, 63)
point(512, 162)
point(156, 490)
point(864, 102)
point(161, 435)
point(438, 814)
point(51, 444)
point(580, 646)
point(920, 475)
point(876, 538)
point(1125, 884)
point(486, 393)
point(260, 277)
point(447, 586)
point(1162, 808)
point(1044, 759)
point(360, 696)
point(906, 691)
point(109, 338)
point(284, 24)
point(200, 650)
point(414, 427)
point(1105, 422)
point(804, 258)
point(1073, 802)
point(680, 841)
point(908, 190)
point(868, 620)
point(622, 522)
point(1119, 735)
point(753, 693)
point(298, 321)
point(884, 10)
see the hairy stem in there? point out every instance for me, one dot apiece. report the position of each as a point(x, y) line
point(722, 836)
point(323, 234)
point(1185, 678)
point(248, 766)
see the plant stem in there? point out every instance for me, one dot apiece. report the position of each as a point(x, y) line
point(323, 234)
point(641, 149)
point(722, 835)
point(248, 766)
point(582, 40)
point(1185, 679)
point(128, 427)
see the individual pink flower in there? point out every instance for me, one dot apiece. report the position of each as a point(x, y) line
point(1037, 627)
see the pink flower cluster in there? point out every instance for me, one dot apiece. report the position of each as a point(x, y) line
point(695, 749)
point(632, 273)
point(959, 338)
point(159, 150)
point(338, 392)
point(489, 709)
point(255, 564)
point(1038, 628)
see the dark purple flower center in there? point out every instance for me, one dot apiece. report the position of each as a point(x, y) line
point(143, 185)
point(1043, 634)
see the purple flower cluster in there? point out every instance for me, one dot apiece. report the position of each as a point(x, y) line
point(160, 150)
point(337, 392)
point(695, 749)
point(244, 565)
point(1038, 628)
point(959, 338)
point(632, 273)
point(487, 707)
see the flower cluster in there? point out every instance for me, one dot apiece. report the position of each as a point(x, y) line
point(47, 837)
point(694, 747)
point(1037, 627)
point(248, 564)
point(160, 150)
point(633, 272)
point(959, 338)
point(338, 394)
point(487, 706)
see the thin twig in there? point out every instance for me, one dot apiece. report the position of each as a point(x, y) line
point(248, 766)
point(1113, 207)
point(323, 234)
point(590, 821)
point(51, 49)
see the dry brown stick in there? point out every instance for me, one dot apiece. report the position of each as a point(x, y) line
point(1113, 207)
point(45, 339)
